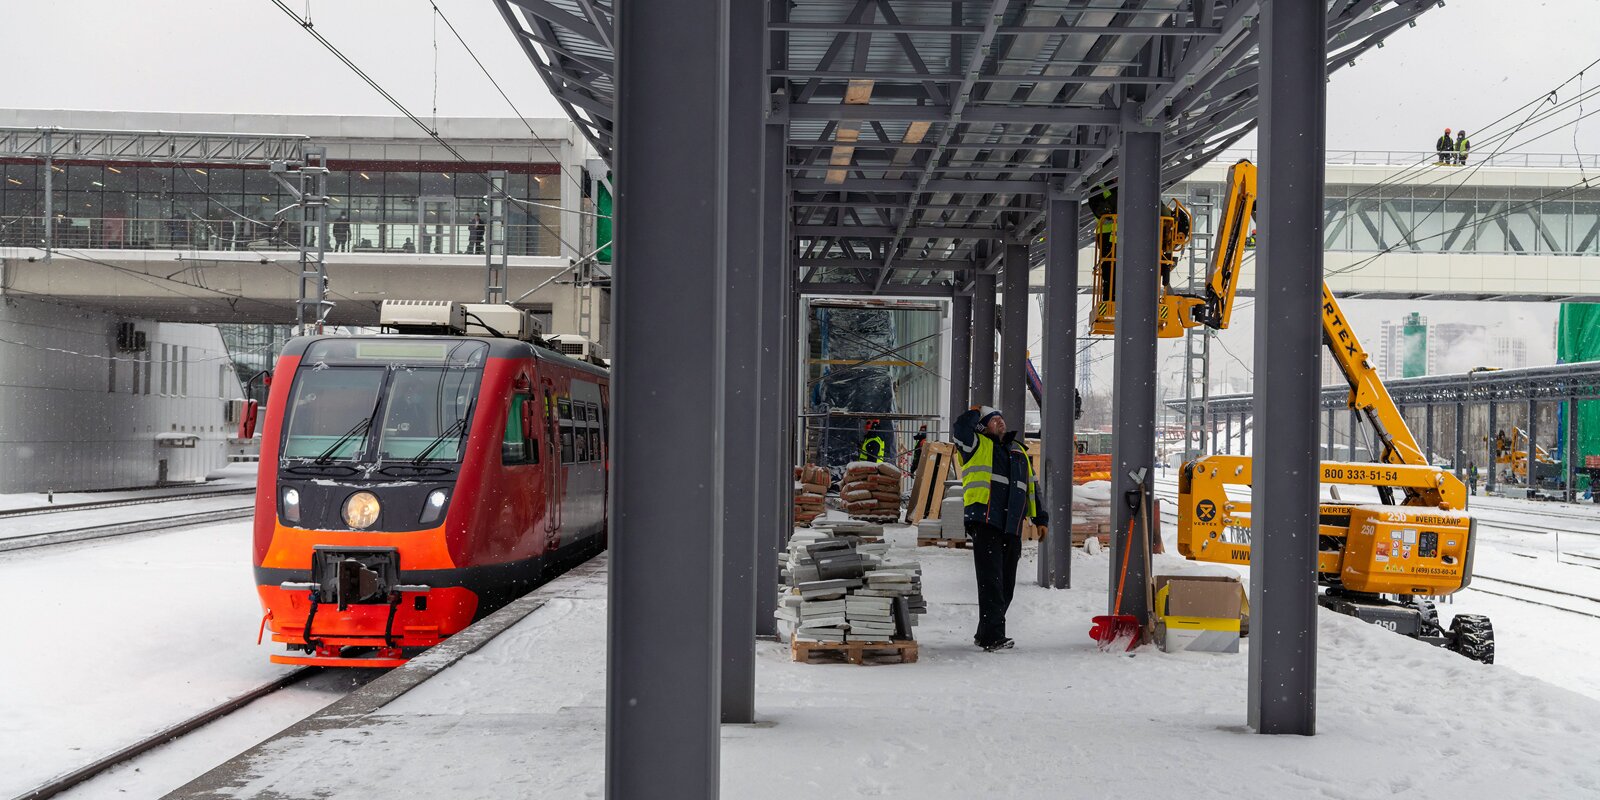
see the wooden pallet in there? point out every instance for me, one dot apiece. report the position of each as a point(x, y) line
point(960, 544)
point(853, 652)
point(927, 485)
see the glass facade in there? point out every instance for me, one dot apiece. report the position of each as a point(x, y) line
point(1462, 219)
point(387, 207)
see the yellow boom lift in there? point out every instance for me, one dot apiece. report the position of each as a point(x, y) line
point(1379, 562)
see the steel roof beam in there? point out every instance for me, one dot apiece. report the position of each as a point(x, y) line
point(1029, 115)
point(1004, 30)
point(909, 185)
point(942, 78)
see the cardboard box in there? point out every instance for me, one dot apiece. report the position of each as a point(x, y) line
point(1199, 613)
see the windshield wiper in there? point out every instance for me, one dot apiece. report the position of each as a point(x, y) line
point(327, 455)
point(456, 429)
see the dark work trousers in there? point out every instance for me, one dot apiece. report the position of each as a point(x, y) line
point(994, 559)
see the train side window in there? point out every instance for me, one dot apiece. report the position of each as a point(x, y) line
point(567, 447)
point(565, 405)
point(594, 444)
point(582, 438)
point(516, 448)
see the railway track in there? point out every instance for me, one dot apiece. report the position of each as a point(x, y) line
point(1548, 601)
point(101, 504)
point(89, 771)
point(47, 539)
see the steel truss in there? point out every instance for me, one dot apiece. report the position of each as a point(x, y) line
point(917, 131)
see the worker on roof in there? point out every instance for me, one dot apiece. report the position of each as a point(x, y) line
point(999, 493)
point(1446, 148)
point(873, 445)
point(1463, 144)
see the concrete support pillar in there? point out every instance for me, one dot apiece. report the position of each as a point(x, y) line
point(1569, 449)
point(1060, 381)
point(1533, 443)
point(1333, 438)
point(1014, 339)
point(1428, 437)
point(741, 385)
point(960, 355)
point(983, 340)
point(774, 477)
point(1134, 360)
point(1284, 515)
point(1491, 469)
point(664, 654)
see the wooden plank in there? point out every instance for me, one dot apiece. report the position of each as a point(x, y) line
point(853, 652)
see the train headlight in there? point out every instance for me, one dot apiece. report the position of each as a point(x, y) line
point(291, 504)
point(361, 510)
point(433, 507)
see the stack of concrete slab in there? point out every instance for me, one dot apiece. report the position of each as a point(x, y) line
point(844, 590)
point(871, 491)
point(810, 487)
point(1091, 513)
point(865, 531)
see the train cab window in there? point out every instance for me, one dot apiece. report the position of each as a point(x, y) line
point(514, 448)
point(330, 412)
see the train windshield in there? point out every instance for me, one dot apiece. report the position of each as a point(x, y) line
point(330, 413)
point(428, 413)
point(357, 400)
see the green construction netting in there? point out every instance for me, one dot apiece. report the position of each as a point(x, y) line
point(1578, 339)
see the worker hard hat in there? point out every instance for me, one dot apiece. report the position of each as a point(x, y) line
point(1446, 130)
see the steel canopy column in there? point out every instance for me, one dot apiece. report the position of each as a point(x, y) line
point(1014, 339)
point(960, 354)
point(1285, 490)
point(1060, 380)
point(982, 359)
point(1461, 441)
point(741, 384)
point(1133, 446)
point(664, 660)
point(1333, 437)
point(1567, 449)
point(773, 475)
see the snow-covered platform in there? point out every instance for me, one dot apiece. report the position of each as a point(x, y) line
point(524, 716)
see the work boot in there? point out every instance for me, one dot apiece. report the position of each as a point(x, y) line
point(1003, 644)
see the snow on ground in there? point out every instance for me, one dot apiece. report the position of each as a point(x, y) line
point(69, 520)
point(525, 717)
point(240, 475)
point(115, 639)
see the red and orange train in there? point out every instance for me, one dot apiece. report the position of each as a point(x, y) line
point(410, 485)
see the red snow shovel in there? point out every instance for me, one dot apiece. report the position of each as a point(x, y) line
point(1112, 629)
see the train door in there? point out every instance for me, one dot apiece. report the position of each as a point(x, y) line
point(605, 444)
point(521, 453)
point(555, 467)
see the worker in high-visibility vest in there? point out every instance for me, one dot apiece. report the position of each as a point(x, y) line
point(998, 493)
point(873, 445)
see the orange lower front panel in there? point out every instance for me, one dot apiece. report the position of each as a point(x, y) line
point(446, 611)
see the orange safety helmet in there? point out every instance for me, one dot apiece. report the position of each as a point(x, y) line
point(1446, 130)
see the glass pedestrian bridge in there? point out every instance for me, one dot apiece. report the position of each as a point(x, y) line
point(1398, 225)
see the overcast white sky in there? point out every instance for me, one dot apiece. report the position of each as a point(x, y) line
point(1462, 66)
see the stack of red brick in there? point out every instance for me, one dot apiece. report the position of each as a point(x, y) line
point(871, 491)
point(810, 487)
